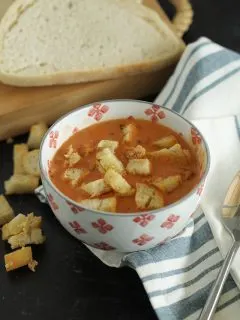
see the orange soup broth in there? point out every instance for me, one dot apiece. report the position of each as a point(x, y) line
point(111, 130)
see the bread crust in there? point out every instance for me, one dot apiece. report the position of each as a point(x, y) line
point(166, 58)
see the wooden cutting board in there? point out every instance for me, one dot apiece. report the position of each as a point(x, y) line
point(22, 107)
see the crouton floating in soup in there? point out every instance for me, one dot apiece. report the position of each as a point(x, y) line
point(125, 166)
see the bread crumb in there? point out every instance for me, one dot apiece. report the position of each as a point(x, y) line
point(32, 265)
point(9, 140)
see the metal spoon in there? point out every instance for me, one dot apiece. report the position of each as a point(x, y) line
point(231, 222)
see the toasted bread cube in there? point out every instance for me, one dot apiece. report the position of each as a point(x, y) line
point(107, 160)
point(6, 211)
point(160, 153)
point(165, 142)
point(72, 157)
point(137, 152)
point(110, 144)
point(177, 149)
point(19, 150)
point(15, 226)
point(139, 166)
point(20, 223)
point(21, 184)
point(18, 259)
point(147, 197)
point(31, 163)
point(99, 167)
point(168, 184)
point(22, 239)
point(75, 175)
point(32, 222)
point(96, 188)
point(9, 140)
point(129, 131)
point(36, 135)
point(175, 152)
point(118, 183)
point(106, 204)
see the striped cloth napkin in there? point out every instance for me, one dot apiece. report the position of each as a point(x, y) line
point(178, 275)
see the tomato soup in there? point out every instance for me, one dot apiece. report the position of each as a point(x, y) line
point(125, 165)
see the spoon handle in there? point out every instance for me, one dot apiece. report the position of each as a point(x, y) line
point(211, 304)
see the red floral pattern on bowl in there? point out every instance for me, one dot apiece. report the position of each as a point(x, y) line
point(97, 111)
point(155, 113)
point(103, 246)
point(77, 227)
point(144, 219)
point(143, 239)
point(170, 221)
point(102, 226)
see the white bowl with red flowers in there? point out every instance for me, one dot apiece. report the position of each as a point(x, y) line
point(120, 231)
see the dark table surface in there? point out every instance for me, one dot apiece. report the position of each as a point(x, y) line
point(70, 283)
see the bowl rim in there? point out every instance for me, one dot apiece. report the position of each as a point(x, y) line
point(156, 211)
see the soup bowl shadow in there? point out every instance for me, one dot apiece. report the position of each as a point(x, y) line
point(120, 231)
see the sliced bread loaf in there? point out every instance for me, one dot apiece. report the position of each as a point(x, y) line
point(46, 42)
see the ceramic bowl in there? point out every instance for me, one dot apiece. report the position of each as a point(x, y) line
point(119, 231)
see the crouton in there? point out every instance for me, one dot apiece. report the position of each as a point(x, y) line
point(107, 160)
point(110, 144)
point(147, 197)
point(20, 258)
point(96, 188)
point(6, 211)
point(31, 163)
point(9, 140)
point(160, 153)
point(22, 239)
point(21, 184)
point(129, 131)
point(118, 183)
point(32, 222)
point(74, 175)
point(139, 166)
point(167, 184)
point(36, 135)
point(20, 223)
point(19, 150)
point(175, 152)
point(106, 204)
point(165, 142)
point(137, 152)
point(72, 157)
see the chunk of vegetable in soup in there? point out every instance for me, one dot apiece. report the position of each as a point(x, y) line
point(110, 160)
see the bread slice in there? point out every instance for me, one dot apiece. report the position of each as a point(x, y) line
point(46, 42)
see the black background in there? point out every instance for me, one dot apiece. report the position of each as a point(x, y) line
point(70, 283)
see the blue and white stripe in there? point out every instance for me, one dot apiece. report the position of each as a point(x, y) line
point(178, 275)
